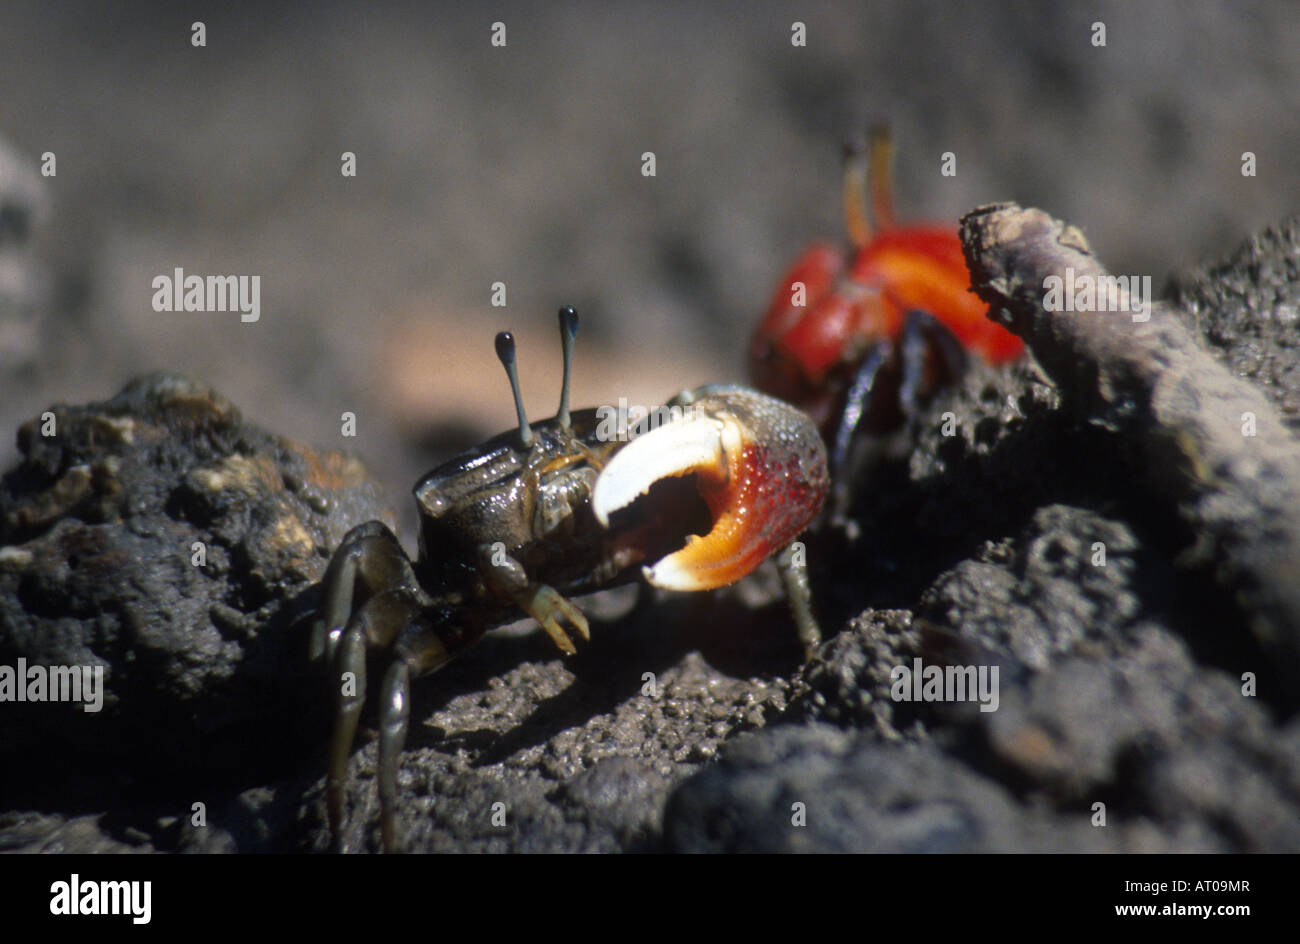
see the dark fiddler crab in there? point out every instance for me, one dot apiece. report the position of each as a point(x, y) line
point(566, 506)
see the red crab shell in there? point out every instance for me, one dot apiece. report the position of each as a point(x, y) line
point(807, 354)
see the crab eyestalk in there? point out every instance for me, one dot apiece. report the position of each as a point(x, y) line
point(568, 330)
point(506, 352)
point(758, 463)
point(880, 170)
point(869, 186)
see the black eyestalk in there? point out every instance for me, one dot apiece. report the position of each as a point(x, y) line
point(506, 352)
point(568, 330)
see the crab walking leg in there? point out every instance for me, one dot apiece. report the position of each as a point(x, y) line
point(798, 594)
point(927, 351)
point(371, 555)
point(422, 640)
point(350, 658)
point(922, 333)
point(398, 615)
point(375, 624)
point(395, 718)
point(429, 639)
point(856, 403)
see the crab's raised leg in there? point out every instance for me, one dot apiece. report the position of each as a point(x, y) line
point(923, 337)
point(927, 353)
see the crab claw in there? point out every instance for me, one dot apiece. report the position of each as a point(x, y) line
point(758, 463)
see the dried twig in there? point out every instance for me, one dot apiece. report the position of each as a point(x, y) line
point(1207, 440)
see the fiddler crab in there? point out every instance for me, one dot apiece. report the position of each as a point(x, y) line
point(859, 338)
point(555, 509)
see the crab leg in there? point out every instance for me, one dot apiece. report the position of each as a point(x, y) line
point(395, 614)
point(370, 557)
point(377, 622)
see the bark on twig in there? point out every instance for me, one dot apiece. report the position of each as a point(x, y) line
point(1189, 419)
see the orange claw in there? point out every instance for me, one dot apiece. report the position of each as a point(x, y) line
point(759, 464)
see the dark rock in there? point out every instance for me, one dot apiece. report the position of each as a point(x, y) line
point(100, 525)
point(849, 679)
point(817, 789)
point(1155, 735)
point(1065, 582)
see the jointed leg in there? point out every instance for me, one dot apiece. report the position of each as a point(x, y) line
point(421, 640)
point(798, 593)
point(507, 578)
point(350, 698)
point(370, 565)
point(923, 335)
point(856, 404)
point(378, 622)
point(370, 556)
point(395, 717)
point(396, 614)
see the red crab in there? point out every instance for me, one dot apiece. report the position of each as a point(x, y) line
point(894, 313)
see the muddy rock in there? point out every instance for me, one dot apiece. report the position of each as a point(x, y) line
point(159, 538)
point(817, 789)
point(1247, 309)
point(549, 757)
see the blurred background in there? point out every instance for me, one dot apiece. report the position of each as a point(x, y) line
point(522, 164)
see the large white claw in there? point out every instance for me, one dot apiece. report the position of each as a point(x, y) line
point(758, 464)
point(679, 447)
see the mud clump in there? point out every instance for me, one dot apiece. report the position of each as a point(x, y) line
point(161, 542)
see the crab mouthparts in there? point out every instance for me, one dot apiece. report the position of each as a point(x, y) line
point(757, 463)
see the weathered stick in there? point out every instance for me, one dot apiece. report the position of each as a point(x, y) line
point(1210, 442)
